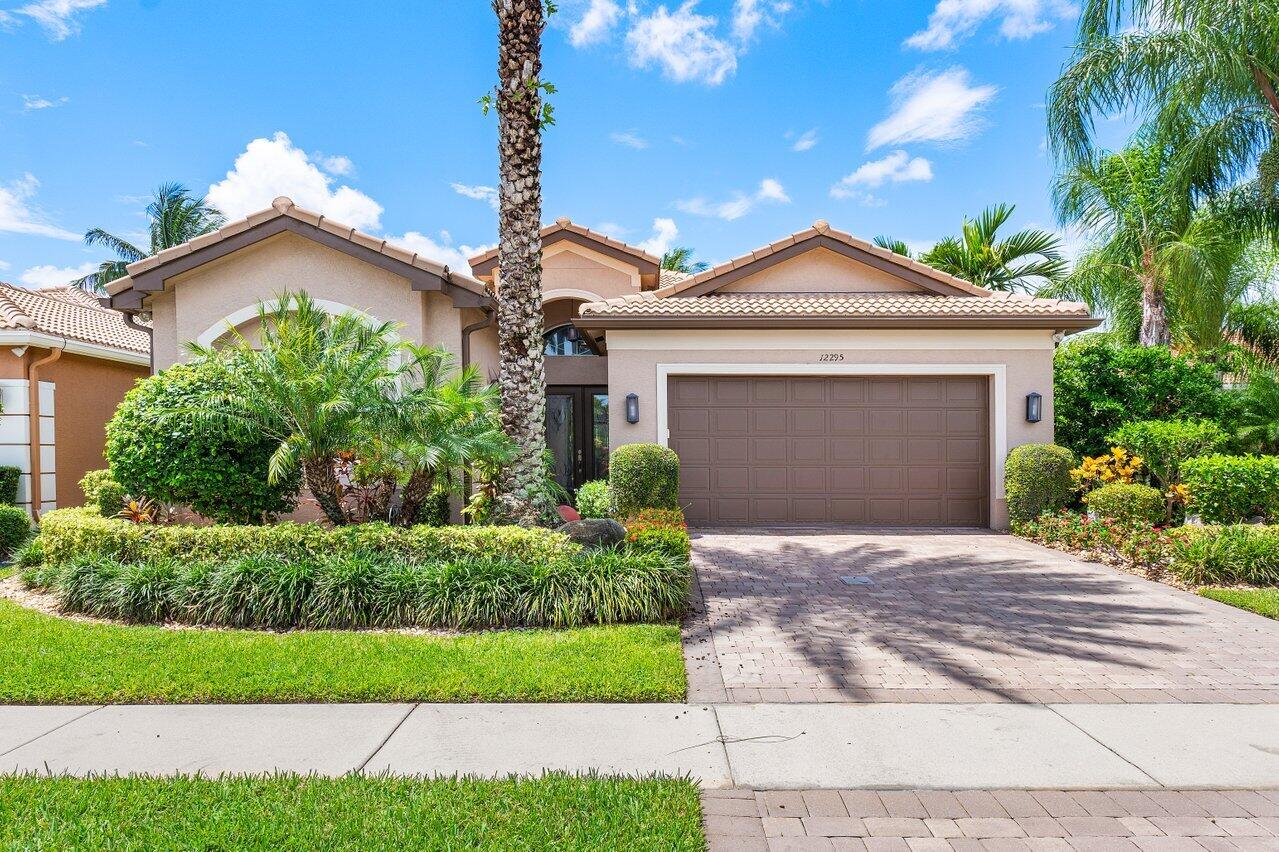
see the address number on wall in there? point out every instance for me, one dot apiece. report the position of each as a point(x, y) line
point(830, 357)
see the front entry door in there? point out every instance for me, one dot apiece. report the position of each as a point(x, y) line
point(577, 433)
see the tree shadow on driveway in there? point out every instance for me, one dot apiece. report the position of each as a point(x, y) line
point(978, 612)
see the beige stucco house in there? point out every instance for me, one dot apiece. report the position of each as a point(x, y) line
point(819, 379)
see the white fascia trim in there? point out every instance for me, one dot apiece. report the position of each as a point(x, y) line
point(74, 347)
point(248, 312)
point(570, 293)
point(998, 373)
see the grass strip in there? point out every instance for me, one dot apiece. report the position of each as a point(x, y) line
point(1261, 601)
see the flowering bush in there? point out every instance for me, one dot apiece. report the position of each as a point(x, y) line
point(1119, 467)
point(1140, 548)
point(661, 530)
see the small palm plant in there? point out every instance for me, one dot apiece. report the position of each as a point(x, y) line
point(1021, 261)
point(174, 217)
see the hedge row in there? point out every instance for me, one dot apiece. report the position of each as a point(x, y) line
point(1230, 489)
point(68, 534)
point(370, 590)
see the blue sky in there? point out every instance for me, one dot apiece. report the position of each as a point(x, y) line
point(720, 124)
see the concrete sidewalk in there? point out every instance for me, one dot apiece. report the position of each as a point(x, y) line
point(763, 746)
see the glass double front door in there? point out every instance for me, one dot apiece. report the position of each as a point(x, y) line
point(577, 433)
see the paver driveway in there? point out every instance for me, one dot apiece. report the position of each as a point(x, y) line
point(954, 616)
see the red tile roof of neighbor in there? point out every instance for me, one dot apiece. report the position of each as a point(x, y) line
point(68, 312)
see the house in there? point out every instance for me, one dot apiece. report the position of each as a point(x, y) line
point(65, 364)
point(819, 379)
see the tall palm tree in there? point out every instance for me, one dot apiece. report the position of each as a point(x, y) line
point(893, 244)
point(1201, 70)
point(523, 497)
point(1022, 261)
point(680, 259)
point(174, 217)
point(1149, 241)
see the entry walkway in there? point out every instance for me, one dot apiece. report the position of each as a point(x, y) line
point(761, 746)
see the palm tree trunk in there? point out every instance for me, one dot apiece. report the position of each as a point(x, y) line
point(521, 376)
point(1154, 310)
point(413, 495)
point(322, 482)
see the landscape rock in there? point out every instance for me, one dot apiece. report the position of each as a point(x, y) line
point(595, 532)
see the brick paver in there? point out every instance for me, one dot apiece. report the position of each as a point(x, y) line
point(958, 617)
point(740, 820)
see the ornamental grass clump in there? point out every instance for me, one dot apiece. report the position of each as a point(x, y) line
point(1229, 555)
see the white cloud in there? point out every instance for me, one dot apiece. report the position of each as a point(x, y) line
point(17, 216)
point(59, 18)
point(664, 234)
point(749, 14)
point(269, 168)
point(940, 106)
point(952, 21)
point(865, 199)
point(683, 44)
point(897, 167)
point(611, 229)
point(442, 250)
point(629, 138)
point(805, 141)
point(55, 276)
point(487, 194)
point(738, 205)
point(31, 103)
point(595, 24)
point(4, 264)
point(335, 165)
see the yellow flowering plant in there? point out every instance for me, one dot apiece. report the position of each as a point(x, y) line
point(1119, 466)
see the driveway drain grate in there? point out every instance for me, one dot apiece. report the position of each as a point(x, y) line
point(859, 580)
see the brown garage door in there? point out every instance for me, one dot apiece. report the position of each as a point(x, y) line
point(889, 451)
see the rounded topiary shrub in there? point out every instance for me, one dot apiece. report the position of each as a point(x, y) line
point(15, 529)
point(1128, 503)
point(102, 492)
point(9, 476)
point(593, 499)
point(1037, 480)
point(158, 448)
point(643, 476)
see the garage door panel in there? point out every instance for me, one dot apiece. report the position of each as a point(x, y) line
point(852, 450)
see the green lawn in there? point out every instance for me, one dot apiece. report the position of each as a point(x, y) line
point(290, 812)
point(49, 660)
point(1262, 601)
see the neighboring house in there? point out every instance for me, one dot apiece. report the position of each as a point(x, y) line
point(819, 379)
point(66, 364)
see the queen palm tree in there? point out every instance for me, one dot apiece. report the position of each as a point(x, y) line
point(1153, 252)
point(1022, 261)
point(523, 497)
point(680, 259)
point(174, 217)
point(1204, 71)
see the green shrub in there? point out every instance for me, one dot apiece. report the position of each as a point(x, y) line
point(360, 590)
point(1128, 503)
point(1165, 444)
point(159, 448)
point(1099, 385)
point(658, 531)
point(102, 492)
point(594, 499)
point(643, 476)
point(1230, 489)
point(66, 534)
point(1037, 480)
point(9, 476)
point(435, 510)
point(1228, 556)
point(15, 529)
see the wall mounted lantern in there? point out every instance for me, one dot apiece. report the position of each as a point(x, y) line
point(1034, 407)
point(632, 408)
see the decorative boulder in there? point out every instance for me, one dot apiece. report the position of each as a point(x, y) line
point(595, 532)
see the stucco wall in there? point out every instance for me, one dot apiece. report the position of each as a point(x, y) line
point(1024, 356)
point(204, 297)
point(87, 391)
point(566, 266)
point(820, 271)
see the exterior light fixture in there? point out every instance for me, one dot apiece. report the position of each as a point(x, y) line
point(632, 408)
point(1034, 407)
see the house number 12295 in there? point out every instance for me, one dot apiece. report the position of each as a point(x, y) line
point(831, 357)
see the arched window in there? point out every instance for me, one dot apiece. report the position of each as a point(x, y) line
point(565, 340)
